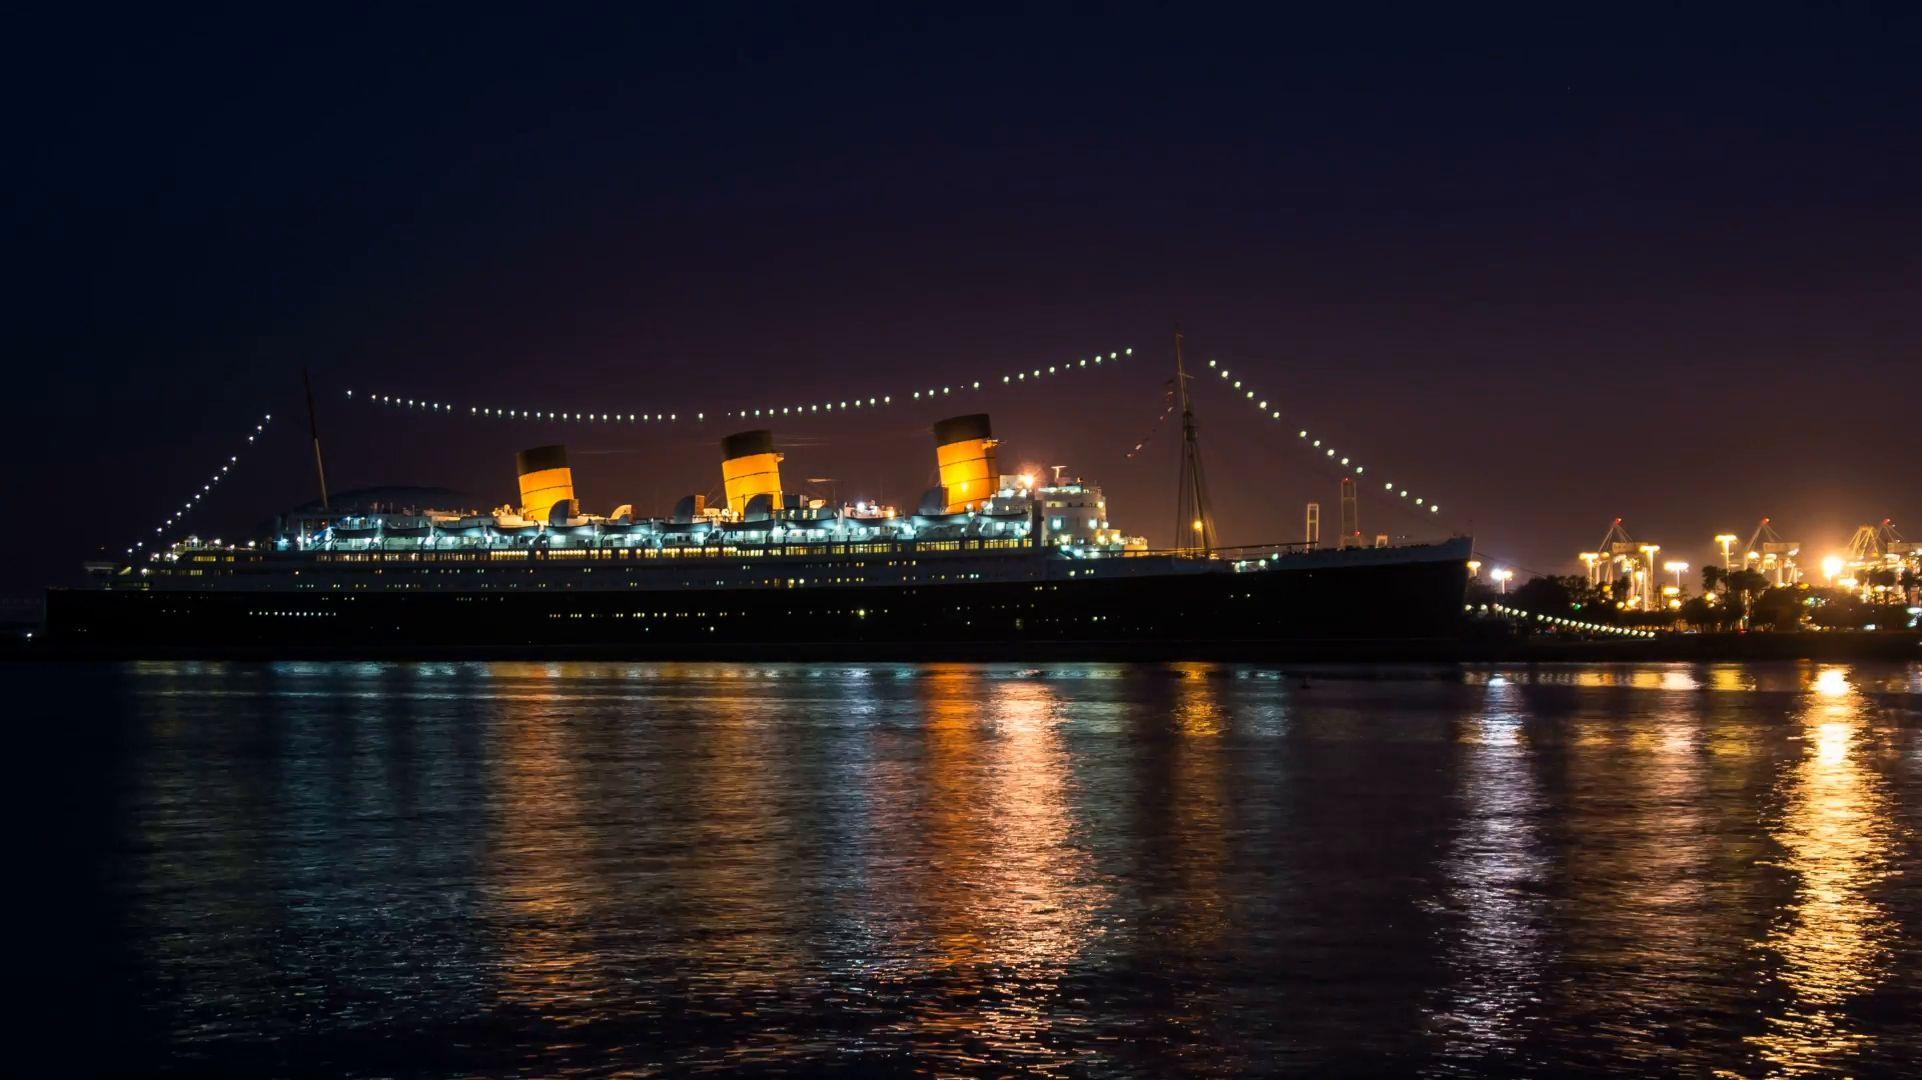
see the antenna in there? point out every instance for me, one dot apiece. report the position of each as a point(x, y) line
point(1194, 521)
point(313, 426)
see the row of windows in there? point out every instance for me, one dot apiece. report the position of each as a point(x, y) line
point(1018, 622)
point(824, 573)
point(390, 585)
point(690, 552)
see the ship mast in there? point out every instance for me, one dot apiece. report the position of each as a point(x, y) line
point(1194, 520)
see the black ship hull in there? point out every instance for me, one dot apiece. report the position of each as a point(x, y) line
point(1372, 608)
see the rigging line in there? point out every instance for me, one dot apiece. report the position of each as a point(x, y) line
point(178, 518)
point(770, 412)
point(1420, 502)
point(1168, 409)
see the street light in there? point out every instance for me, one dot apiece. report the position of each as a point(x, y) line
point(1474, 567)
point(1501, 577)
point(1727, 542)
point(1676, 568)
point(1648, 580)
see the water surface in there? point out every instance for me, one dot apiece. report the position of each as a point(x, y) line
point(557, 869)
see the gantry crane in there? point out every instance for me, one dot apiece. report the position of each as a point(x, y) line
point(1621, 556)
point(1771, 556)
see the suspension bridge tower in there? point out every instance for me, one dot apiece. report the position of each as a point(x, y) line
point(1350, 514)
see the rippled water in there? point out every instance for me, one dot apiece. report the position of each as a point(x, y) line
point(559, 869)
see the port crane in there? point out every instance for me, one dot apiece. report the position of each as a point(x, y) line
point(1770, 555)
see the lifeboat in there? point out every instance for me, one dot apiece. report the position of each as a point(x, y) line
point(467, 526)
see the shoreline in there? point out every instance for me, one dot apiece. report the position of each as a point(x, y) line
point(1902, 645)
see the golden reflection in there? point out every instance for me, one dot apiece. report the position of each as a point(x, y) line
point(740, 834)
point(1838, 836)
point(1198, 711)
point(1008, 887)
point(957, 836)
point(1730, 677)
point(1004, 892)
point(1199, 813)
point(1679, 678)
point(566, 808)
point(1832, 682)
point(540, 845)
point(1594, 678)
point(1638, 677)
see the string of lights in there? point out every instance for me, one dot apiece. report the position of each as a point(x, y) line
point(1329, 453)
point(192, 502)
point(808, 408)
point(1571, 624)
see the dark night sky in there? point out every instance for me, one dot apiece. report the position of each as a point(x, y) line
point(1548, 269)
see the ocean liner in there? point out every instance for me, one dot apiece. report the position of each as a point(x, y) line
point(988, 564)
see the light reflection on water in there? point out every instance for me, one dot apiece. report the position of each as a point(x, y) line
point(1838, 833)
point(1495, 872)
point(586, 868)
